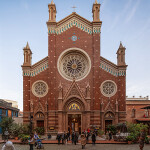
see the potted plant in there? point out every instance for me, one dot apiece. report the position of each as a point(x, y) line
point(129, 139)
point(15, 130)
point(24, 138)
point(146, 140)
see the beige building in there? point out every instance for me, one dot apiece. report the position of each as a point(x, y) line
point(14, 103)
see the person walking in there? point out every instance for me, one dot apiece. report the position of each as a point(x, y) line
point(8, 146)
point(75, 138)
point(58, 138)
point(63, 137)
point(31, 141)
point(35, 138)
point(142, 139)
point(68, 136)
point(110, 135)
point(83, 140)
point(93, 138)
point(72, 137)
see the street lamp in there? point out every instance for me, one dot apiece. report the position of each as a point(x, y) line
point(6, 133)
point(31, 118)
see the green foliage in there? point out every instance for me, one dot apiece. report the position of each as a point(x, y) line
point(39, 130)
point(130, 138)
point(100, 132)
point(112, 129)
point(146, 140)
point(135, 129)
point(6, 124)
point(24, 138)
point(25, 129)
point(15, 130)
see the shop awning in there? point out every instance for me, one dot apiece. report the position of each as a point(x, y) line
point(147, 107)
point(143, 119)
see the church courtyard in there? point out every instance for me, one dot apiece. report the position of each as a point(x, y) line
point(88, 147)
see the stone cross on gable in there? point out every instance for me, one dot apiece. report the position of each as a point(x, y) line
point(74, 7)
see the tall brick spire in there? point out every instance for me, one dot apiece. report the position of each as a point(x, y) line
point(52, 12)
point(27, 55)
point(96, 11)
point(121, 55)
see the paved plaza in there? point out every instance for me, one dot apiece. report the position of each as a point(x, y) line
point(88, 147)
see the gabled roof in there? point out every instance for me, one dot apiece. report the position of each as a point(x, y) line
point(74, 20)
point(74, 15)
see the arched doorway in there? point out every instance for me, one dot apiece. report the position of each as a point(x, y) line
point(108, 119)
point(74, 115)
point(39, 119)
point(74, 118)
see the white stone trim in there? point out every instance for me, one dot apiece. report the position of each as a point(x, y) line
point(108, 95)
point(69, 51)
point(33, 88)
point(73, 22)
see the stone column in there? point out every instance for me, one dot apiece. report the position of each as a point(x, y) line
point(60, 117)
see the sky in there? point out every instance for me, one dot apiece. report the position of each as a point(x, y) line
point(122, 20)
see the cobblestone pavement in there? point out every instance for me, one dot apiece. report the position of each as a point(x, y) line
point(88, 147)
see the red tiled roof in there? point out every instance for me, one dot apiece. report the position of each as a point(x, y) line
point(143, 119)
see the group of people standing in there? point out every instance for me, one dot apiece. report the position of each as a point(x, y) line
point(64, 137)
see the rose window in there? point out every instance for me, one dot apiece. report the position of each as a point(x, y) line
point(74, 65)
point(40, 89)
point(108, 88)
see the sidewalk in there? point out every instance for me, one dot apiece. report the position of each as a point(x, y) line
point(69, 142)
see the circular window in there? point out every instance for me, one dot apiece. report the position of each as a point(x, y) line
point(108, 88)
point(74, 64)
point(74, 38)
point(40, 88)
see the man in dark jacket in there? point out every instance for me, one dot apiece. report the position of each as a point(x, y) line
point(63, 137)
point(72, 137)
point(58, 138)
point(93, 138)
point(75, 138)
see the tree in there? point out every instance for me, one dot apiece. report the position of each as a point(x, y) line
point(6, 124)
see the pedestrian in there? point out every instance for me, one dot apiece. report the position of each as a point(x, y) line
point(75, 138)
point(58, 138)
point(68, 136)
point(83, 140)
point(110, 135)
point(142, 139)
point(35, 138)
point(63, 137)
point(31, 141)
point(72, 137)
point(77, 133)
point(87, 136)
point(93, 138)
point(8, 146)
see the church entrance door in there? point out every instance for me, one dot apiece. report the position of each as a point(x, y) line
point(74, 123)
point(40, 123)
point(107, 123)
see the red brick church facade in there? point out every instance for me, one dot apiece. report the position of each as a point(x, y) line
point(74, 88)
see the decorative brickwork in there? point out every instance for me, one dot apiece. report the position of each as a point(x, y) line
point(79, 88)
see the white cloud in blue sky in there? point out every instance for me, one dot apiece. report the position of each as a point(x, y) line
point(25, 20)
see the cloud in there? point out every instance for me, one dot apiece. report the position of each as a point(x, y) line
point(120, 15)
point(142, 32)
point(132, 12)
point(140, 89)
